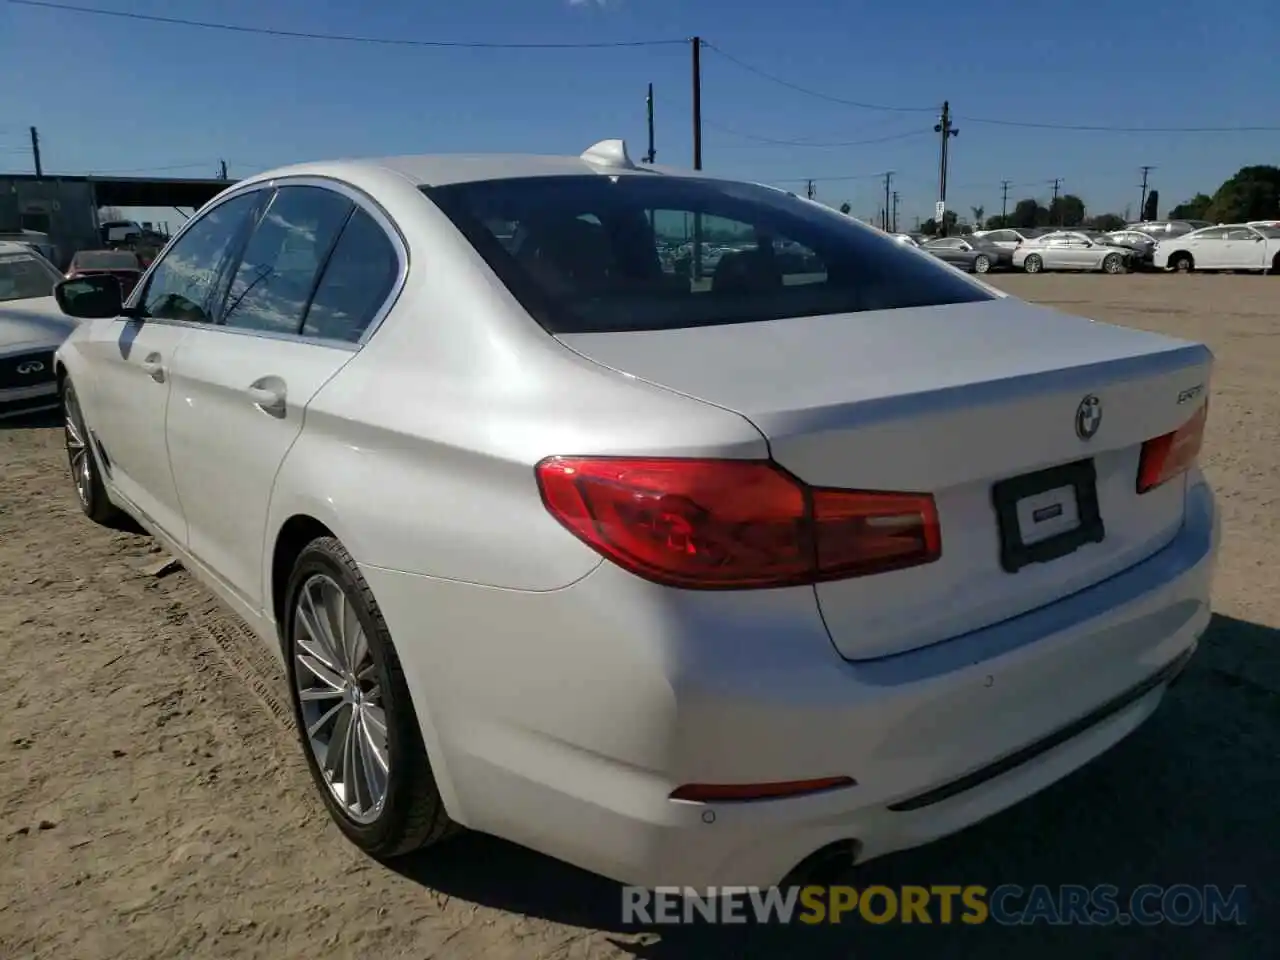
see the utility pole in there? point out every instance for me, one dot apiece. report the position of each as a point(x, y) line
point(697, 102)
point(222, 170)
point(1057, 183)
point(35, 152)
point(947, 131)
point(1142, 207)
point(895, 211)
point(1004, 202)
point(809, 191)
point(888, 179)
point(649, 157)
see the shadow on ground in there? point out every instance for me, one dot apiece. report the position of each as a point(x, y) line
point(1192, 798)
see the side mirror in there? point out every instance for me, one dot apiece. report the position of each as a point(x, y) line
point(90, 298)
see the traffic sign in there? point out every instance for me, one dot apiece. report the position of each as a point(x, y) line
point(939, 210)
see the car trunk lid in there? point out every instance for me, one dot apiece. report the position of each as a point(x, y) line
point(951, 401)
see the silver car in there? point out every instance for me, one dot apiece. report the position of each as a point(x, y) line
point(1071, 250)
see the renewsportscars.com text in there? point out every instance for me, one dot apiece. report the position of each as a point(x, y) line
point(1006, 905)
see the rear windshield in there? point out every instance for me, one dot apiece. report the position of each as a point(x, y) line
point(105, 260)
point(25, 276)
point(587, 254)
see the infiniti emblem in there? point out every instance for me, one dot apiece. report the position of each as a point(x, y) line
point(31, 366)
point(1088, 417)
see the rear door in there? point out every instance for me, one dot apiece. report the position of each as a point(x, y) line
point(1208, 248)
point(317, 268)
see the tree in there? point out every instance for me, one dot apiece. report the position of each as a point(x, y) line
point(1151, 209)
point(1107, 222)
point(1029, 213)
point(845, 208)
point(998, 222)
point(930, 226)
point(1252, 194)
point(977, 214)
point(1197, 208)
point(1066, 211)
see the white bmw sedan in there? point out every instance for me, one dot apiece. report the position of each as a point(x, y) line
point(684, 576)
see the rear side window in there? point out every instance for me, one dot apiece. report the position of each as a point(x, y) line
point(283, 258)
point(357, 281)
point(639, 252)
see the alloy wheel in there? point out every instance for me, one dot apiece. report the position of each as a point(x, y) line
point(77, 447)
point(341, 700)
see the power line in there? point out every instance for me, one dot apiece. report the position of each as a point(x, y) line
point(338, 37)
point(1096, 128)
point(835, 179)
point(774, 141)
point(1078, 127)
point(807, 90)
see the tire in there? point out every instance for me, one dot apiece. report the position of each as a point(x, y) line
point(1275, 266)
point(982, 264)
point(401, 811)
point(1181, 263)
point(1113, 263)
point(1033, 263)
point(86, 475)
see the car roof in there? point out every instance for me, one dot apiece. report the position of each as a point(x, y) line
point(13, 246)
point(607, 157)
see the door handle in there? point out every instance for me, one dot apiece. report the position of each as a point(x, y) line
point(153, 368)
point(269, 400)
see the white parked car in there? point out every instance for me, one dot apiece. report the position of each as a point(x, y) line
point(1231, 246)
point(682, 580)
point(1070, 250)
point(31, 329)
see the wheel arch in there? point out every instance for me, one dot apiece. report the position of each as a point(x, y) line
point(303, 523)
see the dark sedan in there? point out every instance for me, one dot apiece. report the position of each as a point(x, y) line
point(969, 253)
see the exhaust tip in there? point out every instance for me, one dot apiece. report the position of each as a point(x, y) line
point(826, 866)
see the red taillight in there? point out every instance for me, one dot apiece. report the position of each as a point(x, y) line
point(1172, 454)
point(734, 524)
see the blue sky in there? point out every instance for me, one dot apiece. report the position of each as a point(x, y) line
point(119, 95)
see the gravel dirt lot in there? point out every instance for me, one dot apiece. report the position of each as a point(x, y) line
point(154, 803)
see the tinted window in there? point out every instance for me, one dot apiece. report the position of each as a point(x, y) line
point(282, 259)
point(182, 284)
point(1241, 233)
point(593, 253)
point(104, 260)
point(24, 276)
point(356, 282)
point(1215, 234)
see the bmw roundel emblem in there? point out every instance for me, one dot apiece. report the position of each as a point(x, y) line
point(1088, 417)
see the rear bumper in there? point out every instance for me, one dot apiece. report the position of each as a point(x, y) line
point(563, 720)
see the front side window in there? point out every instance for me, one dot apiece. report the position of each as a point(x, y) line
point(273, 282)
point(1213, 234)
point(23, 277)
point(641, 252)
point(182, 284)
point(1241, 233)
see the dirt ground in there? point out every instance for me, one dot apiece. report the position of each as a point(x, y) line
point(153, 802)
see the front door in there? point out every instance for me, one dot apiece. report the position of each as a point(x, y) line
point(1244, 250)
point(242, 384)
point(133, 358)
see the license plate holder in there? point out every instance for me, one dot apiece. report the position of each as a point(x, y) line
point(1047, 514)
